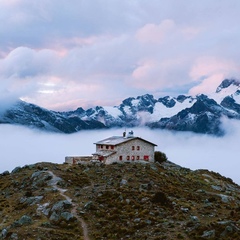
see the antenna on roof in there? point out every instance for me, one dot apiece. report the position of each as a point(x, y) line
point(130, 134)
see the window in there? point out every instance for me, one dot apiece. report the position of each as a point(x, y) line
point(146, 157)
point(133, 158)
point(112, 147)
point(101, 146)
point(138, 157)
point(138, 148)
point(133, 148)
point(128, 158)
point(107, 147)
point(120, 158)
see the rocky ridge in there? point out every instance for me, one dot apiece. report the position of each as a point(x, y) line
point(200, 114)
point(118, 201)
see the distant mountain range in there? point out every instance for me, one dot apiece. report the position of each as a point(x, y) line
point(199, 114)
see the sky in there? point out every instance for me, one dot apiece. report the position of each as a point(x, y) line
point(186, 149)
point(79, 53)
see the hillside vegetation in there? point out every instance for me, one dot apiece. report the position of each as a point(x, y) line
point(118, 201)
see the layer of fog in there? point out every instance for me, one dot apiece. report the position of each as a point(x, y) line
point(20, 146)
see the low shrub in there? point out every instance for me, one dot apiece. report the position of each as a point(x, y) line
point(160, 157)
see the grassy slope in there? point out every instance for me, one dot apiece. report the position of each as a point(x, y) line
point(124, 201)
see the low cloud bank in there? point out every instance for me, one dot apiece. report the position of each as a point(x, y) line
point(20, 146)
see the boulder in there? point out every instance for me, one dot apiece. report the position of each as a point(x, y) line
point(58, 209)
point(5, 173)
point(40, 178)
point(209, 234)
point(54, 217)
point(43, 208)
point(88, 205)
point(67, 216)
point(123, 182)
point(137, 220)
point(4, 233)
point(16, 169)
point(145, 187)
point(14, 236)
point(194, 218)
point(61, 206)
point(24, 220)
point(31, 200)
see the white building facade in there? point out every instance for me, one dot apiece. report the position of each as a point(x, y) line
point(124, 149)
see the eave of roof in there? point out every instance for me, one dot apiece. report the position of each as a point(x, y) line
point(116, 140)
point(104, 153)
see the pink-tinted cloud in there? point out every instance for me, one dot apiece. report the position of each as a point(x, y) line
point(205, 66)
point(208, 85)
point(213, 71)
point(152, 33)
point(113, 50)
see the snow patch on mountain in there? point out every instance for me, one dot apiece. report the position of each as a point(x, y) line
point(113, 111)
point(161, 111)
point(226, 88)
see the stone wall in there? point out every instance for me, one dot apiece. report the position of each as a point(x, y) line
point(125, 149)
point(78, 159)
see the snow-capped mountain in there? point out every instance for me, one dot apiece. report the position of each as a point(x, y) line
point(200, 114)
point(135, 111)
point(30, 115)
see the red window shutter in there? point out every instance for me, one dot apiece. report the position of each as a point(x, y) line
point(146, 157)
point(133, 158)
point(120, 158)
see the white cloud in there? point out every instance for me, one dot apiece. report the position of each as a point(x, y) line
point(152, 33)
point(190, 150)
point(116, 48)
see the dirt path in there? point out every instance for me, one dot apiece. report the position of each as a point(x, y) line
point(53, 183)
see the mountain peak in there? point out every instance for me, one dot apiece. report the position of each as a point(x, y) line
point(226, 83)
point(169, 102)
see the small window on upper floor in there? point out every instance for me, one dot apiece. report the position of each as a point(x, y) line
point(138, 157)
point(107, 147)
point(138, 148)
point(120, 158)
point(133, 158)
point(133, 148)
point(128, 158)
point(112, 147)
point(101, 146)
